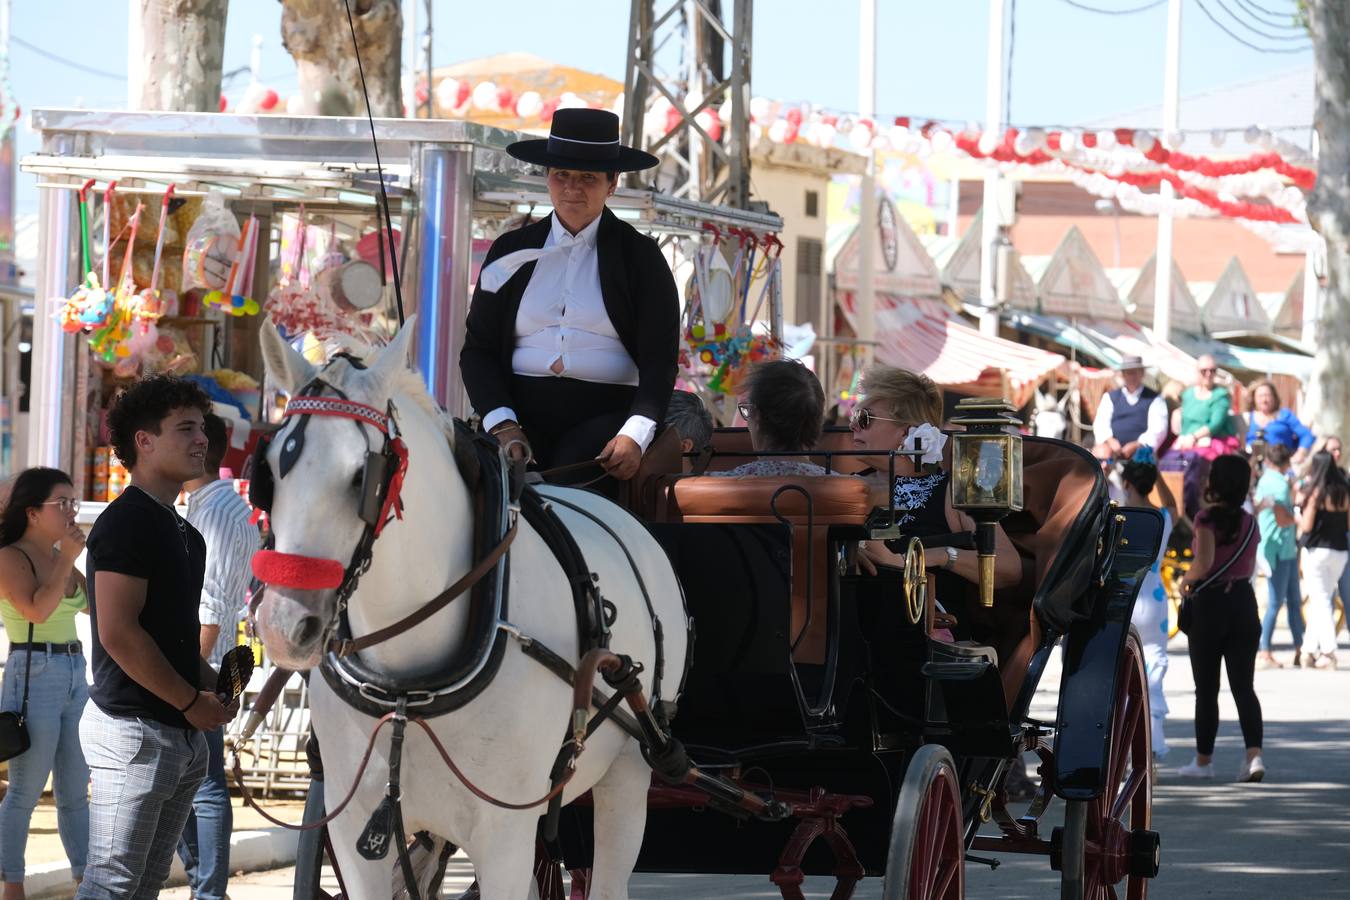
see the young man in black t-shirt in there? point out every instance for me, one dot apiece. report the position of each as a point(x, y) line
point(153, 693)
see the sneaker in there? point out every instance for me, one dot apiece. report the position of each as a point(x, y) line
point(1193, 769)
point(1253, 770)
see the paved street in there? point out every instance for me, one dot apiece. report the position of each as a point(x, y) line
point(1286, 837)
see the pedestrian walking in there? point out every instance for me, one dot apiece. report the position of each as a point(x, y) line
point(1322, 530)
point(1139, 476)
point(152, 695)
point(217, 511)
point(45, 674)
point(1221, 606)
point(1274, 503)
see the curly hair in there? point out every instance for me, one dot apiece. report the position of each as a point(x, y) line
point(907, 395)
point(789, 404)
point(146, 404)
point(33, 487)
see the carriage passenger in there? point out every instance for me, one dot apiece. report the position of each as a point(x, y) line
point(783, 406)
point(690, 419)
point(898, 409)
point(571, 347)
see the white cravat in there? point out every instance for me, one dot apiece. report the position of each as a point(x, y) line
point(562, 318)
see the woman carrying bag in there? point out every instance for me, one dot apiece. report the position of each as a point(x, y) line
point(1219, 616)
point(40, 593)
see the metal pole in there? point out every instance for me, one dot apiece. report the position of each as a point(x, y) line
point(45, 428)
point(993, 125)
point(694, 86)
point(1312, 298)
point(426, 106)
point(1162, 283)
point(864, 303)
point(444, 183)
point(739, 174)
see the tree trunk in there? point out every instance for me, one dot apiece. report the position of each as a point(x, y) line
point(317, 35)
point(177, 47)
point(1329, 213)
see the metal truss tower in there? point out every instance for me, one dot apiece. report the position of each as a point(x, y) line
point(689, 53)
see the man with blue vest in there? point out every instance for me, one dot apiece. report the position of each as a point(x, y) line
point(1130, 417)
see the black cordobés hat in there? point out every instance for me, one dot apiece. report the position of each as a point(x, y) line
point(584, 139)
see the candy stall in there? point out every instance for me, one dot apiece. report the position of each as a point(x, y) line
point(165, 238)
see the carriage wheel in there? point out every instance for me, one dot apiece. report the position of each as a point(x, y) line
point(1107, 840)
point(927, 855)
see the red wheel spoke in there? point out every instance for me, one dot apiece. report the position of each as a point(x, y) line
point(943, 884)
point(1138, 778)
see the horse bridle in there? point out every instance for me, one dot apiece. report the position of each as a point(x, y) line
point(381, 502)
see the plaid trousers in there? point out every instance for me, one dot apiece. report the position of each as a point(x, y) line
point(144, 776)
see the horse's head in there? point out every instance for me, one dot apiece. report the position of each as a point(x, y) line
point(335, 469)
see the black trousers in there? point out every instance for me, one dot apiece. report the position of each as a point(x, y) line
point(1225, 627)
point(569, 421)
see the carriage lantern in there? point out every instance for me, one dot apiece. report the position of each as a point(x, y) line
point(986, 474)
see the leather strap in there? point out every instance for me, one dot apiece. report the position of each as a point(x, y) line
point(442, 600)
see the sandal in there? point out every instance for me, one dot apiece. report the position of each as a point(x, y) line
point(1267, 660)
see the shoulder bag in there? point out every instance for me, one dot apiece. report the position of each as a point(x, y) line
point(1185, 610)
point(14, 738)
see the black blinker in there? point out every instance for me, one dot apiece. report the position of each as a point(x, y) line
point(259, 475)
point(373, 483)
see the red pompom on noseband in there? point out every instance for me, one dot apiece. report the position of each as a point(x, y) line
point(302, 573)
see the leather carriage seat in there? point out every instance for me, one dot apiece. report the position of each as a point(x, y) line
point(835, 500)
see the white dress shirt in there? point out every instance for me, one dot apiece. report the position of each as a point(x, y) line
point(222, 517)
point(562, 317)
point(1156, 430)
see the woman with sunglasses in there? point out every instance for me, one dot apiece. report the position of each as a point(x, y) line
point(898, 410)
point(1205, 429)
point(42, 591)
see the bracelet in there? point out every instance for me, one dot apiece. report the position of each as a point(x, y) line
point(190, 704)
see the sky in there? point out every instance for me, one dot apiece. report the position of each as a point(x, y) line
point(1068, 65)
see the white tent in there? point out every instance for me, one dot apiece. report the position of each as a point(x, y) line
point(960, 263)
point(1139, 292)
point(1231, 305)
point(1072, 283)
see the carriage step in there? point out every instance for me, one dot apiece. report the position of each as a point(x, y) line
point(956, 671)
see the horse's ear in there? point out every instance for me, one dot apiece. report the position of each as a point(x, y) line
point(290, 369)
point(397, 354)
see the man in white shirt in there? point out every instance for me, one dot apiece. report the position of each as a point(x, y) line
point(1129, 417)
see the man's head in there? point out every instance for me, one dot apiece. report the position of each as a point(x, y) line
point(157, 428)
point(688, 416)
point(217, 442)
point(1132, 373)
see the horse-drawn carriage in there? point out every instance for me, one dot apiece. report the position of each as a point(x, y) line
point(801, 718)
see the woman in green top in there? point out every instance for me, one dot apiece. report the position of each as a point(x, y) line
point(1205, 430)
point(42, 591)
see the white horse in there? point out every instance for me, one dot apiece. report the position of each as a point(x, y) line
point(504, 740)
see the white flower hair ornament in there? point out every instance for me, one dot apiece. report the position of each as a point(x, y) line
point(928, 437)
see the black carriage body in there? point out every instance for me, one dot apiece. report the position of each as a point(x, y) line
point(885, 688)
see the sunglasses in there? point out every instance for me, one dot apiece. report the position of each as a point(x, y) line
point(744, 410)
point(863, 418)
point(1208, 371)
point(65, 504)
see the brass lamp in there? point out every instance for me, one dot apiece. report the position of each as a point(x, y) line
point(986, 474)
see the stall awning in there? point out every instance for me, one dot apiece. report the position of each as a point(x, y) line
point(959, 357)
point(1064, 333)
point(1250, 359)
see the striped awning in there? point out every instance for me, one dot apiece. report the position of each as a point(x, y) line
point(959, 357)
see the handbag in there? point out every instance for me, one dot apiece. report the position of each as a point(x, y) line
point(1185, 610)
point(14, 738)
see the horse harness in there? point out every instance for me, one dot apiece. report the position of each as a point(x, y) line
point(500, 496)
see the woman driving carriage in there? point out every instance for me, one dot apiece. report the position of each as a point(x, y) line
point(898, 409)
point(571, 347)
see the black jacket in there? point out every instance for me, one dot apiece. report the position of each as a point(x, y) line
point(640, 297)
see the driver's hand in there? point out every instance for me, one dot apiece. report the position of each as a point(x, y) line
point(512, 438)
point(621, 457)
